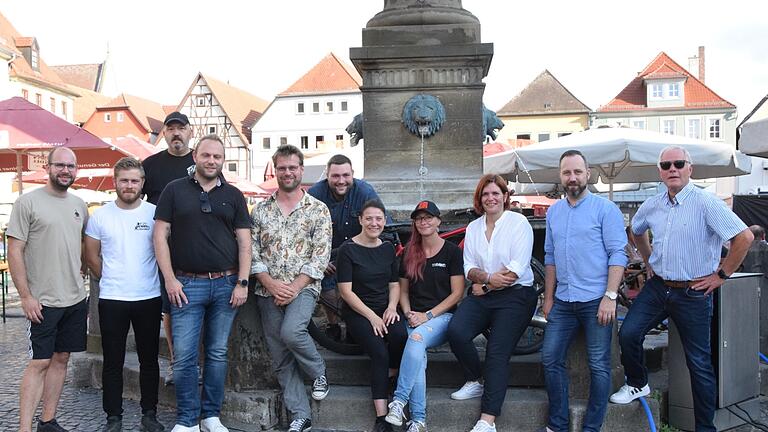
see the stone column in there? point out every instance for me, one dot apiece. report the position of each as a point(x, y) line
point(423, 47)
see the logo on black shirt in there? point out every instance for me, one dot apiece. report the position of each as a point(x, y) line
point(141, 226)
point(438, 264)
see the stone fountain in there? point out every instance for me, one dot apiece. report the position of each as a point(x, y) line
point(429, 48)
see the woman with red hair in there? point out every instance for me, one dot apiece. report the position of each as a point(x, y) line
point(497, 260)
point(431, 283)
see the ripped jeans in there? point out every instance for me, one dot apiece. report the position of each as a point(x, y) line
point(412, 383)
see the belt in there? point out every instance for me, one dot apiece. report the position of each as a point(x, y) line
point(207, 275)
point(677, 284)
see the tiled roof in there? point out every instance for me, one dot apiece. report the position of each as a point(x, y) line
point(87, 76)
point(544, 95)
point(634, 95)
point(86, 104)
point(330, 75)
point(169, 109)
point(9, 39)
point(150, 114)
point(242, 108)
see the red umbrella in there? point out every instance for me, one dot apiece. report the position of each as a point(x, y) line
point(99, 179)
point(28, 132)
point(246, 187)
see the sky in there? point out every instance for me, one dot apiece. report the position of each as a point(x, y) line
point(594, 48)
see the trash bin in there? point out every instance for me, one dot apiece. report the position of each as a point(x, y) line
point(735, 344)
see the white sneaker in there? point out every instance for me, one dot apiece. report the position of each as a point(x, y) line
point(470, 389)
point(483, 426)
point(180, 428)
point(212, 424)
point(627, 394)
point(395, 415)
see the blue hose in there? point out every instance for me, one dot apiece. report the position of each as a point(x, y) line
point(651, 423)
point(763, 357)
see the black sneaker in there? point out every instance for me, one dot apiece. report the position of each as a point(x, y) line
point(114, 424)
point(49, 426)
point(300, 425)
point(381, 425)
point(149, 422)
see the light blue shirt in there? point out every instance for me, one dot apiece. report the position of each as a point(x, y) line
point(582, 241)
point(688, 232)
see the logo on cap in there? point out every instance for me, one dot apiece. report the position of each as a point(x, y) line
point(422, 205)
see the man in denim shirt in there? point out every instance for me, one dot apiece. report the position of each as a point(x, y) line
point(344, 195)
point(585, 259)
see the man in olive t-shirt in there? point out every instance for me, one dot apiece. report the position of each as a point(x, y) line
point(44, 256)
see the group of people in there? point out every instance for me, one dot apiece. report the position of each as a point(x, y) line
point(189, 251)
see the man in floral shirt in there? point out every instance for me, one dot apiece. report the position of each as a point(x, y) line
point(291, 248)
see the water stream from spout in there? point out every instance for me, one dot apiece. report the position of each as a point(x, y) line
point(422, 168)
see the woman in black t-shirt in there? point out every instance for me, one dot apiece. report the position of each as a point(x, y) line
point(367, 275)
point(431, 284)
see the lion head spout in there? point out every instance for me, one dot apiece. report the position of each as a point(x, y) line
point(423, 115)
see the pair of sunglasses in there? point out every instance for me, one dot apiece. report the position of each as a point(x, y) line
point(679, 164)
point(205, 203)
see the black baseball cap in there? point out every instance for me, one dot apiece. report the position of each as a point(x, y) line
point(426, 206)
point(176, 117)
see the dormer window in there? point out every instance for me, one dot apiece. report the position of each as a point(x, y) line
point(657, 90)
point(674, 90)
point(35, 59)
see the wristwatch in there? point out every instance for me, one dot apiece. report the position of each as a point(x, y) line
point(613, 295)
point(721, 274)
point(485, 288)
point(429, 315)
point(243, 282)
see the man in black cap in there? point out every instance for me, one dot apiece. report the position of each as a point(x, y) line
point(160, 169)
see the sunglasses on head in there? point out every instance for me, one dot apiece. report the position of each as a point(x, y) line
point(205, 204)
point(666, 165)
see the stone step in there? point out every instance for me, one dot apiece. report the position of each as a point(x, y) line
point(349, 408)
point(443, 370)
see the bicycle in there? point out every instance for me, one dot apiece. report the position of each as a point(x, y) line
point(530, 342)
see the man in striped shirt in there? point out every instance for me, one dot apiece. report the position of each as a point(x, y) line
point(689, 228)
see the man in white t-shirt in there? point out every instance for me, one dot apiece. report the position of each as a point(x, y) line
point(119, 251)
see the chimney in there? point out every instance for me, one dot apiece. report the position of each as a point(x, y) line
point(701, 64)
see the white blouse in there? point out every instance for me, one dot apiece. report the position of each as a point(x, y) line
point(510, 247)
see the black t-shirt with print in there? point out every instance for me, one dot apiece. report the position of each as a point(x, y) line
point(162, 168)
point(428, 292)
point(370, 269)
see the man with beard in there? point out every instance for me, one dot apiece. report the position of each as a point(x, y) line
point(44, 249)
point(291, 246)
point(585, 260)
point(203, 247)
point(344, 195)
point(119, 252)
point(160, 169)
point(689, 228)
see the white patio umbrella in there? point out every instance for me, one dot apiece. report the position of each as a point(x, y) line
point(617, 155)
point(754, 138)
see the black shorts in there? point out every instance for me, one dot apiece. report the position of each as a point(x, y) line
point(62, 330)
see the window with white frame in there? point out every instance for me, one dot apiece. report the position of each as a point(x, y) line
point(638, 124)
point(35, 60)
point(265, 143)
point(107, 117)
point(543, 137)
point(212, 129)
point(714, 128)
point(674, 90)
point(329, 106)
point(304, 142)
point(668, 126)
point(694, 128)
point(344, 106)
point(300, 108)
point(283, 141)
point(315, 107)
point(232, 166)
point(657, 90)
point(120, 117)
point(200, 101)
point(319, 140)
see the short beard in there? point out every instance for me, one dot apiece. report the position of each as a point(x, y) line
point(122, 198)
point(575, 193)
point(201, 173)
point(58, 185)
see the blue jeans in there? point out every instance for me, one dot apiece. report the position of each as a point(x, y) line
point(412, 383)
point(692, 313)
point(563, 322)
point(208, 306)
